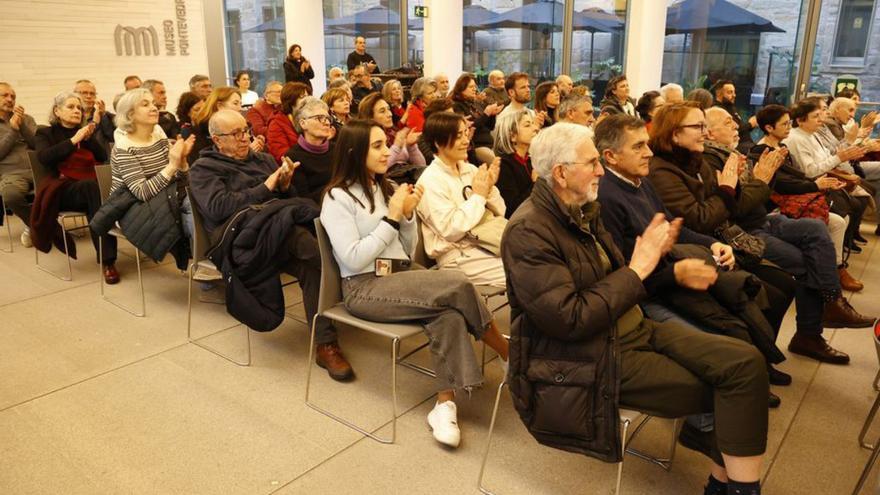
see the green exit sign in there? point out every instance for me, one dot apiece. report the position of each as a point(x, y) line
point(421, 11)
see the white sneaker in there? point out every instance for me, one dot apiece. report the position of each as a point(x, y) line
point(26, 238)
point(443, 420)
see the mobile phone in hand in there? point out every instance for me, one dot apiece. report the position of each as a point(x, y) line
point(185, 130)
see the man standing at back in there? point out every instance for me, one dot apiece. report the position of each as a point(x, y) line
point(360, 57)
point(17, 130)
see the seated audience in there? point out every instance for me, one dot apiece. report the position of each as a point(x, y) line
point(573, 297)
point(261, 113)
point(242, 81)
point(702, 97)
point(222, 98)
point(297, 68)
point(313, 149)
point(495, 92)
point(69, 154)
point(672, 93)
point(367, 220)
point(392, 92)
point(513, 135)
point(565, 84)
point(281, 133)
point(335, 73)
point(617, 99)
point(339, 103)
point(520, 93)
point(711, 203)
point(576, 109)
point(436, 106)
point(406, 162)
point(188, 106)
point(17, 130)
point(94, 109)
point(546, 101)
point(421, 95)
point(361, 84)
point(725, 97)
point(442, 81)
point(201, 85)
point(149, 181)
point(464, 103)
point(457, 198)
point(229, 177)
point(160, 97)
point(132, 82)
point(685, 282)
point(647, 106)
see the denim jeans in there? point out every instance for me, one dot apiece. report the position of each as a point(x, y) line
point(443, 301)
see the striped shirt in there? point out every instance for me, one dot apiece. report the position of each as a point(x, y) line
point(138, 169)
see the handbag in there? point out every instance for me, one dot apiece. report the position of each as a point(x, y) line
point(807, 205)
point(488, 232)
point(748, 249)
point(851, 180)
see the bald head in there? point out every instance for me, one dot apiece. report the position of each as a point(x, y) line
point(564, 83)
point(722, 128)
point(230, 134)
point(496, 79)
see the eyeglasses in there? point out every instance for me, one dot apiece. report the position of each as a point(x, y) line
point(596, 166)
point(239, 134)
point(701, 126)
point(324, 119)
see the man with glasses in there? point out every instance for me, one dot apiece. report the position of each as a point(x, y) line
point(361, 84)
point(228, 178)
point(259, 115)
point(581, 348)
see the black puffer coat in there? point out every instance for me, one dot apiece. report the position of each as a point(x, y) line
point(564, 353)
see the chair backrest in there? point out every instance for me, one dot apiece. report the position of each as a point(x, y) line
point(420, 256)
point(331, 287)
point(201, 241)
point(37, 169)
point(104, 175)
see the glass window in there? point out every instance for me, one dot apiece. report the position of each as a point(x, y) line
point(377, 21)
point(255, 36)
point(415, 38)
point(753, 44)
point(513, 35)
point(853, 29)
point(597, 42)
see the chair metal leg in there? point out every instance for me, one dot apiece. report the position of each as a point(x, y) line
point(191, 340)
point(489, 439)
point(876, 377)
point(665, 463)
point(8, 232)
point(401, 360)
point(867, 425)
point(867, 470)
point(137, 258)
point(69, 265)
point(623, 428)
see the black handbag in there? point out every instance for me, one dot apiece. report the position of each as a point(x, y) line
point(748, 249)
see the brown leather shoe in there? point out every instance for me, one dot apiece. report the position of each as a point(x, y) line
point(329, 357)
point(814, 346)
point(848, 282)
point(111, 276)
point(839, 314)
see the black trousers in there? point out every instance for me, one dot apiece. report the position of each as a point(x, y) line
point(305, 265)
point(84, 195)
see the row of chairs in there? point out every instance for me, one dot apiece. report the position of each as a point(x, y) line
point(330, 306)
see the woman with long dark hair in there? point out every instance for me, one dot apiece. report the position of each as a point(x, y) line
point(546, 100)
point(372, 229)
point(297, 68)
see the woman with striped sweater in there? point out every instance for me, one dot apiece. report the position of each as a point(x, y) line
point(143, 159)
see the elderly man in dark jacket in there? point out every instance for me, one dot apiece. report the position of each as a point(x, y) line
point(227, 178)
point(581, 347)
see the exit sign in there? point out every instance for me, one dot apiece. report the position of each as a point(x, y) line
point(421, 11)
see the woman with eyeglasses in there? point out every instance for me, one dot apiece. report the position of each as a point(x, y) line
point(312, 149)
point(372, 229)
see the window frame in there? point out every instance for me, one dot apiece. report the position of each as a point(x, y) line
point(850, 62)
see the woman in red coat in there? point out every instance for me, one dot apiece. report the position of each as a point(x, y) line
point(281, 134)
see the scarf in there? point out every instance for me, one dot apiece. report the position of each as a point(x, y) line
point(311, 148)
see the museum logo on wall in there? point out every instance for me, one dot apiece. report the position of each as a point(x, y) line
point(144, 40)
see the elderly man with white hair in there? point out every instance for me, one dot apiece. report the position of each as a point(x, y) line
point(577, 110)
point(230, 177)
point(574, 299)
point(672, 93)
point(495, 92)
point(564, 83)
point(442, 81)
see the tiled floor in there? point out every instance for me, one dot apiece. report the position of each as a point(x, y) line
point(94, 401)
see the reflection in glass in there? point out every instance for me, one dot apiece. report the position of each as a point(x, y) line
point(256, 41)
point(377, 21)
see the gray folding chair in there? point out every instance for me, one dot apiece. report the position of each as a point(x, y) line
point(105, 179)
point(875, 451)
point(6, 218)
point(39, 172)
point(628, 417)
point(330, 306)
point(200, 246)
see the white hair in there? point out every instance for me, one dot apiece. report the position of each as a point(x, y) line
point(306, 107)
point(556, 145)
point(840, 101)
point(58, 102)
point(126, 105)
point(669, 88)
point(496, 73)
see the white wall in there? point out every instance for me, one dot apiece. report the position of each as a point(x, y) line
point(48, 45)
point(645, 35)
point(443, 38)
point(304, 25)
